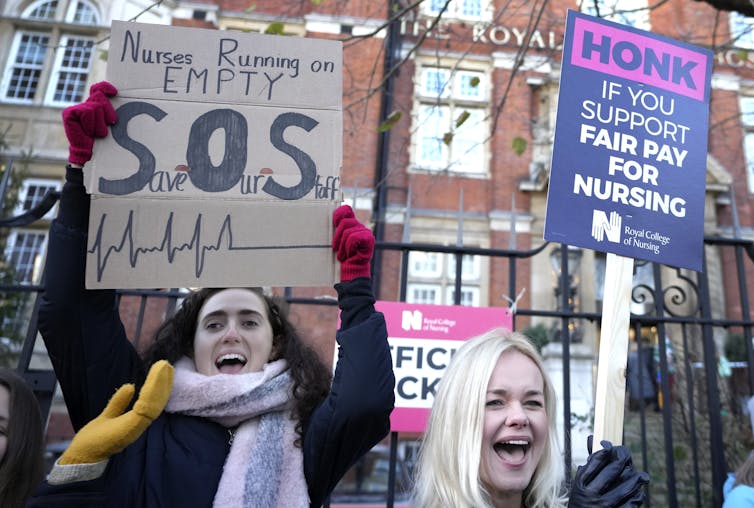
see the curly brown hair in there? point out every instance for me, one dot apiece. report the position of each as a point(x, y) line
point(22, 467)
point(311, 379)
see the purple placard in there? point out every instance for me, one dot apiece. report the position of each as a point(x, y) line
point(663, 65)
point(629, 156)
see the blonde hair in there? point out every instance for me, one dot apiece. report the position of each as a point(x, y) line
point(448, 469)
point(745, 472)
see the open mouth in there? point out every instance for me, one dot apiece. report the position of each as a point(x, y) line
point(513, 450)
point(231, 363)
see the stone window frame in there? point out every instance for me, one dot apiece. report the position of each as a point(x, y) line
point(51, 53)
point(436, 113)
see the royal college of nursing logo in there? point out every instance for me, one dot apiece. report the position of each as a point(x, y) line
point(411, 320)
point(603, 228)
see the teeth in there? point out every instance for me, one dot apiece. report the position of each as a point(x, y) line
point(230, 357)
point(517, 442)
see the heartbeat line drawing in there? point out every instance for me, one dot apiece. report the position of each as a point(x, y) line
point(171, 248)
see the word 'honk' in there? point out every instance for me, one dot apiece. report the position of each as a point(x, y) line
point(631, 57)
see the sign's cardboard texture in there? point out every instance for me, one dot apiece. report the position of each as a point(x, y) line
point(224, 166)
point(230, 243)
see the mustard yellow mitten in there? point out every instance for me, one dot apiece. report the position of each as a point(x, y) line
point(113, 430)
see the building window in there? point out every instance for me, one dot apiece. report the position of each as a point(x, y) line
point(83, 13)
point(626, 12)
point(747, 111)
point(70, 70)
point(469, 296)
point(451, 124)
point(425, 264)
point(477, 10)
point(49, 66)
point(747, 123)
point(32, 192)
point(741, 30)
point(24, 254)
point(749, 151)
point(24, 73)
point(424, 293)
point(42, 10)
point(470, 267)
point(432, 279)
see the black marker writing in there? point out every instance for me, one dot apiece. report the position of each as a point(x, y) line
point(171, 247)
point(147, 162)
point(205, 175)
point(305, 163)
point(201, 171)
point(226, 55)
point(132, 49)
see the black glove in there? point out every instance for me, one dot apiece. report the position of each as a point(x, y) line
point(608, 479)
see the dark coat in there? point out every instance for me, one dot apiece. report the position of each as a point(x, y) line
point(641, 374)
point(178, 461)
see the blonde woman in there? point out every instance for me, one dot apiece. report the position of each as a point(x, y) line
point(491, 439)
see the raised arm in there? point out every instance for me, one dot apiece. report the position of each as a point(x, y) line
point(355, 416)
point(82, 331)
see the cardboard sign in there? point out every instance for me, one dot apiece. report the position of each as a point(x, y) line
point(629, 157)
point(223, 168)
point(423, 339)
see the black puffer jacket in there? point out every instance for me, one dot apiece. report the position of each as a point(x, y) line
point(178, 461)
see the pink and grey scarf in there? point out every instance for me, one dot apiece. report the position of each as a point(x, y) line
point(263, 468)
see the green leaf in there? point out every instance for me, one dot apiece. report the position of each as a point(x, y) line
point(462, 118)
point(316, 2)
point(474, 81)
point(390, 122)
point(447, 138)
point(519, 145)
point(275, 28)
point(103, 55)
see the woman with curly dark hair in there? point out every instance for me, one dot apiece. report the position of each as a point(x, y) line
point(310, 378)
point(21, 440)
point(251, 415)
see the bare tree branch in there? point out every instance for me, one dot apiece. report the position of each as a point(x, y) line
point(745, 7)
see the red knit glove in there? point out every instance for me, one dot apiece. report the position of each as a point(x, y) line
point(353, 244)
point(88, 120)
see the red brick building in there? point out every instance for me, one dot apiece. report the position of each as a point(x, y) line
point(470, 89)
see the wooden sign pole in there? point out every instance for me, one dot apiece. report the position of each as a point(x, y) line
point(613, 355)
